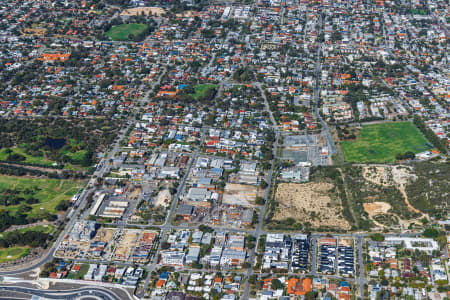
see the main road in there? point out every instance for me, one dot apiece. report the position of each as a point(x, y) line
point(262, 211)
point(102, 168)
point(325, 128)
point(167, 226)
point(80, 293)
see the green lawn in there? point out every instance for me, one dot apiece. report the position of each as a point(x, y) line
point(381, 142)
point(28, 158)
point(16, 252)
point(201, 89)
point(40, 228)
point(13, 253)
point(77, 157)
point(121, 32)
point(51, 192)
point(69, 166)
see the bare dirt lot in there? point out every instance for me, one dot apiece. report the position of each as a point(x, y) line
point(35, 31)
point(376, 208)
point(396, 176)
point(126, 244)
point(163, 198)
point(241, 194)
point(345, 242)
point(187, 14)
point(138, 11)
point(388, 175)
point(310, 202)
point(104, 234)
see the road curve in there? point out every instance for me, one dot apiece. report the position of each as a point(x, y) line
point(80, 293)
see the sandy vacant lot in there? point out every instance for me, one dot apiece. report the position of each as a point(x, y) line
point(397, 176)
point(35, 31)
point(388, 175)
point(126, 244)
point(241, 194)
point(310, 202)
point(187, 14)
point(138, 11)
point(163, 198)
point(345, 242)
point(104, 234)
point(376, 208)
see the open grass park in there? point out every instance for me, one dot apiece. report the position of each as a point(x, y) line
point(379, 143)
point(123, 31)
point(29, 159)
point(13, 253)
point(16, 252)
point(49, 192)
point(201, 89)
point(76, 157)
point(41, 228)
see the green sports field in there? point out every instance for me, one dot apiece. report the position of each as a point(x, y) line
point(381, 142)
point(121, 32)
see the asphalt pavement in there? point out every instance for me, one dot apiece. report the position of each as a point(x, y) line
point(80, 293)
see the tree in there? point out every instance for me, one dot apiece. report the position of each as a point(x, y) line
point(209, 94)
point(259, 200)
point(204, 228)
point(406, 155)
point(378, 237)
point(276, 284)
point(429, 134)
point(165, 245)
point(310, 295)
point(208, 33)
point(410, 155)
point(263, 184)
point(188, 89)
point(336, 36)
point(197, 265)
point(16, 157)
point(424, 221)
point(63, 205)
point(431, 233)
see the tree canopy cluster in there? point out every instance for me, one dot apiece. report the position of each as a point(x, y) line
point(62, 140)
point(28, 238)
point(20, 217)
point(429, 134)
